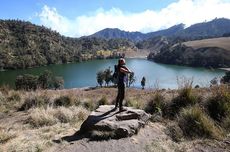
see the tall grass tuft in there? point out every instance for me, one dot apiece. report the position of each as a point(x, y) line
point(65, 101)
point(39, 117)
point(90, 105)
point(103, 101)
point(195, 123)
point(5, 136)
point(156, 104)
point(35, 101)
point(218, 104)
point(186, 97)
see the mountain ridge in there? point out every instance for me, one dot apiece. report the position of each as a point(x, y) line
point(213, 28)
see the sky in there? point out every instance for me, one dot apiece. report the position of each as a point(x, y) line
point(76, 18)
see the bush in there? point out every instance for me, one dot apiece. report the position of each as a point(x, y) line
point(65, 101)
point(184, 99)
point(133, 103)
point(226, 123)
point(46, 80)
point(40, 117)
point(33, 102)
point(195, 123)
point(14, 96)
point(103, 101)
point(156, 104)
point(90, 105)
point(26, 82)
point(218, 105)
point(226, 78)
point(5, 136)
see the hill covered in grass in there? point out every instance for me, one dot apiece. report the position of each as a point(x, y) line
point(24, 45)
point(222, 42)
point(186, 119)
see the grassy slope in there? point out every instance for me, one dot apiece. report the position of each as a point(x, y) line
point(222, 42)
point(36, 128)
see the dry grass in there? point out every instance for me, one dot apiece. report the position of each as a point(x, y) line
point(156, 104)
point(40, 117)
point(5, 136)
point(195, 123)
point(45, 122)
point(218, 104)
point(223, 42)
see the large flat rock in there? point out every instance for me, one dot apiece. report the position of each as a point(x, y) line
point(107, 122)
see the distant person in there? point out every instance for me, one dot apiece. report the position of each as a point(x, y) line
point(143, 83)
point(122, 70)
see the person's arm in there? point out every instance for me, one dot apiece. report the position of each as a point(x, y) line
point(125, 70)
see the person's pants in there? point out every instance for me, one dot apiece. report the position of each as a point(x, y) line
point(120, 94)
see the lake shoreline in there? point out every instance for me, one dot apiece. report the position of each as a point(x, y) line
point(83, 75)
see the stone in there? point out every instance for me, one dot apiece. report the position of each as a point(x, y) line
point(108, 122)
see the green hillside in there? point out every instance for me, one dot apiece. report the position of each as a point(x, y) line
point(24, 45)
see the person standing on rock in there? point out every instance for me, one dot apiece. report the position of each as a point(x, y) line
point(122, 71)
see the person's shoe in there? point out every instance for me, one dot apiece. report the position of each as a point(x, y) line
point(115, 108)
point(122, 109)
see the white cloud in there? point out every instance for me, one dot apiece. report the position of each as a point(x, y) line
point(183, 11)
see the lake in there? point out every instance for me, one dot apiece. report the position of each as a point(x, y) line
point(84, 74)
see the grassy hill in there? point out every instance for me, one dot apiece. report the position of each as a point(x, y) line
point(222, 42)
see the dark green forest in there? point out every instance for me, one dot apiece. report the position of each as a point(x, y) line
point(24, 45)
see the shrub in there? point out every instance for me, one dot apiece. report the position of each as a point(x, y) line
point(58, 83)
point(226, 123)
point(35, 101)
point(5, 89)
point(40, 117)
point(195, 123)
point(63, 114)
point(103, 101)
point(5, 136)
point(218, 105)
point(133, 103)
point(100, 78)
point(90, 105)
point(14, 96)
point(26, 82)
point(156, 104)
point(185, 98)
point(71, 115)
point(226, 78)
point(65, 101)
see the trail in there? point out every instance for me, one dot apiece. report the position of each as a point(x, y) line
point(137, 143)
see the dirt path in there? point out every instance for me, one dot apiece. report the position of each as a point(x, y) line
point(137, 143)
point(152, 138)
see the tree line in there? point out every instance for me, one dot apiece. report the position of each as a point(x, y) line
point(46, 80)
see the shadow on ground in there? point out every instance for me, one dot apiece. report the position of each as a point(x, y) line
point(82, 133)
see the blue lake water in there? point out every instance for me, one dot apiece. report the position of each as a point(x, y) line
point(84, 74)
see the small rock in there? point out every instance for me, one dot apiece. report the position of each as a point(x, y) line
point(114, 124)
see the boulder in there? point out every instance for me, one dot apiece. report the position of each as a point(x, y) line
point(108, 122)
